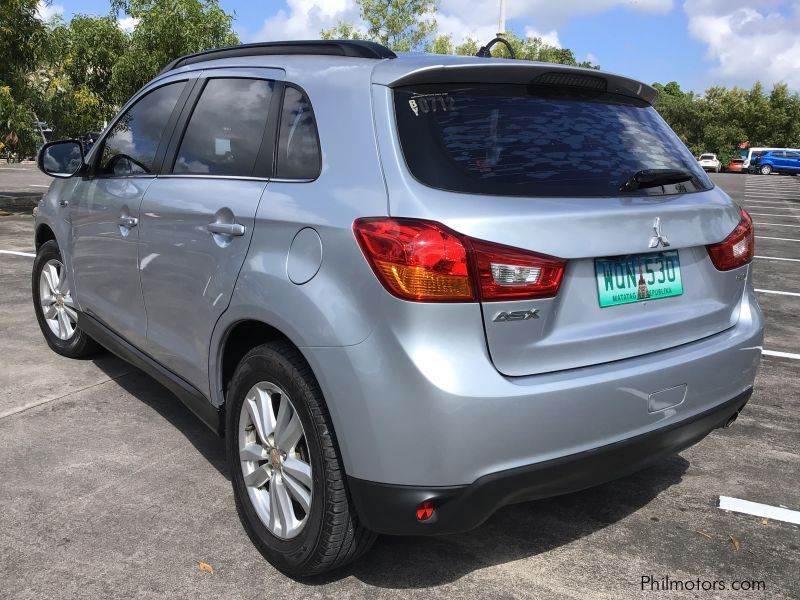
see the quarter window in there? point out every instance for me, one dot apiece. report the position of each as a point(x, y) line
point(225, 132)
point(298, 143)
point(130, 148)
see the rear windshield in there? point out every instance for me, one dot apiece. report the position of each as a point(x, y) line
point(707, 157)
point(524, 140)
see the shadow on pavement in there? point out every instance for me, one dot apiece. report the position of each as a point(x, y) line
point(513, 533)
point(151, 393)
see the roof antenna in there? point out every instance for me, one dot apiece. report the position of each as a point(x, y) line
point(486, 51)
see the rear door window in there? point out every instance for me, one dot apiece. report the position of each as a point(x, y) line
point(525, 140)
point(131, 145)
point(225, 131)
point(298, 154)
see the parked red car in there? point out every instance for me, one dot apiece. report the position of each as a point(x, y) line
point(736, 166)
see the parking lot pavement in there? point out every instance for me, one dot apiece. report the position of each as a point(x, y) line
point(110, 488)
point(21, 186)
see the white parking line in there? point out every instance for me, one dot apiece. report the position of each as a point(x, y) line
point(774, 215)
point(774, 224)
point(770, 207)
point(781, 354)
point(760, 201)
point(765, 237)
point(757, 509)
point(17, 253)
point(779, 293)
point(37, 185)
point(778, 258)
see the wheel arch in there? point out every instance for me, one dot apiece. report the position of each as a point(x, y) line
point(238, 339)
point(44, 233)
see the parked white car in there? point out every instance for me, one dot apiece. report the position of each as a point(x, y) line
point(709, 162)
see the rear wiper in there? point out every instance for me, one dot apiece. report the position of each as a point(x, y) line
point(647, 178)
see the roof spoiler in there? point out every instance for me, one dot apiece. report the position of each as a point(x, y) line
point(523, 72)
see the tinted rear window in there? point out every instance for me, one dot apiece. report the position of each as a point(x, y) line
point(520, 140)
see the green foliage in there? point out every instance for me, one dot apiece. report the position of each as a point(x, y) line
point(342, 31)
point(166, 30)
point(21, 37)
point(402, 25)
point(723, 117)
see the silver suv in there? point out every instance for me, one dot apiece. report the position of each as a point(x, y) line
point(407, 290)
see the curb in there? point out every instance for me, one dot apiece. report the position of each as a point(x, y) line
point(20, 203)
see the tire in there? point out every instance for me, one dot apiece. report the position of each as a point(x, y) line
point(330, 534)
point(765, 169)
point(64, 336)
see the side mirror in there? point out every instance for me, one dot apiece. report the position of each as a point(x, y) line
point(61, 159)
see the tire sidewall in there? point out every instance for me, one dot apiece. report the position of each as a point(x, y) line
point(287, 555)
point(74, 345)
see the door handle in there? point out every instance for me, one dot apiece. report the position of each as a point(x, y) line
point(226, 228)
point(129, 222)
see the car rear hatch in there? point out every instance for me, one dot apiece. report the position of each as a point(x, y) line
point(548, 166)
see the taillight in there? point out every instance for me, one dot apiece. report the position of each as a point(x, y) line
point(737, 249)
point(426, 261)
point(506, 273)
point(416, 260)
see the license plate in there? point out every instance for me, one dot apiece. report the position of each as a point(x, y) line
point(638, 278)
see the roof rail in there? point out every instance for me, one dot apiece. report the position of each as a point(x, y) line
point(352, 48)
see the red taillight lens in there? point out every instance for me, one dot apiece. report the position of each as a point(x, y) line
point(426, 261)
point(425, 510)
point(510, 274)
point(737, 249)
point(416, 260)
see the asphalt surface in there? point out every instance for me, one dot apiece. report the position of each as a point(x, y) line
point(21, 186)
point(110, 488)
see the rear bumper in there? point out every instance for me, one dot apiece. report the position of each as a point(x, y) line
point(390, 509)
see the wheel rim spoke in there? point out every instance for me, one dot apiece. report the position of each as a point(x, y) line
point(62, 279)
point(50, 312)
point(260, 409)
point(253, 452)
point(298, 470)
point(297, 491)
point(51, 276)
point(280, 505)
point(288, 436)
point(258, 477)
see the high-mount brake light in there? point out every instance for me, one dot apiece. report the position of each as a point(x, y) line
point(737, 249)
point(425, 261)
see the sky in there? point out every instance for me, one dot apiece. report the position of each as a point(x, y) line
point(698, 43)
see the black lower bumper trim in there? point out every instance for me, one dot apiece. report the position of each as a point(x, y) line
point(391, 509)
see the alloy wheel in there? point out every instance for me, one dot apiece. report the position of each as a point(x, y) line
point(58, 307)
point(275, 460)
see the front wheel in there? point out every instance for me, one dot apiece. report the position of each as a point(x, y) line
point(54, 306)
point(288, 480)
point(765, 169)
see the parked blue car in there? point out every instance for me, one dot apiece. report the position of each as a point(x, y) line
point(778, 161)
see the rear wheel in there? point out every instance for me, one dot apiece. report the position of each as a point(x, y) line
point(54, 307)
point(287, 475)
point(765, 169)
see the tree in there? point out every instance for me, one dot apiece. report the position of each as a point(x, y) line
point(722, 118)
point(21, 37)
point(402, 25)
point(166, 29)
